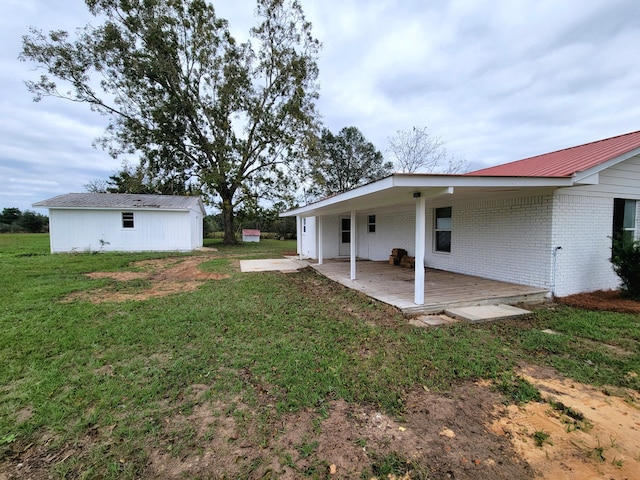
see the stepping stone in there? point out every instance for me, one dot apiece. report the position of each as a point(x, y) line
point(431, 320)
point(485, 313)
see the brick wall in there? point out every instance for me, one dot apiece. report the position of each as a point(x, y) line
point(582, 227)
point(506, 239)
point(503, 238)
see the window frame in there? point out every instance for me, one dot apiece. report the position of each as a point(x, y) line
point(621, 208)
point(441, 230)
point(371, 224)
point(128, 220)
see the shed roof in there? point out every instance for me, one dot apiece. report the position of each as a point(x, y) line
point(568, 161)
point(122, 201)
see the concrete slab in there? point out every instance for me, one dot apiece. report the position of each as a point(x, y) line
point(431, 320)
point(485, 313)
point(271, 265)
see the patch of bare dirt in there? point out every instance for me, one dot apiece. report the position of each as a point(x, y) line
point(590, 433)
point(164, 276)
point(441, 436)
point(464, 433)
point(607, 300)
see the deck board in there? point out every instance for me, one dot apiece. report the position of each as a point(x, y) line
point(394, 285)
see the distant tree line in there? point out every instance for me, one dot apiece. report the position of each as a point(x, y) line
point(267, 220)
point(12, 220)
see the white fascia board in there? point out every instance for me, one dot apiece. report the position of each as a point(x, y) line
point(593, 179)
point(481, 181)
point(443, 184)
point(342, 197)
point(120, 209)
point(584, 176)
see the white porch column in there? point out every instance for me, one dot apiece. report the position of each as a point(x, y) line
point(320, 243)
point(299, 235)
point(420, 246)
point(354, 235)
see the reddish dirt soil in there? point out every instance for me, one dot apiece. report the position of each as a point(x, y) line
point(464, 433)
point(166, 276)
point(609, 300)
point(592, 433)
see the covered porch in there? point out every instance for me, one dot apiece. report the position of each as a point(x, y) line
point(394, 285)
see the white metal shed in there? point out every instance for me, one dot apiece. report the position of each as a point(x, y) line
point(80, 222)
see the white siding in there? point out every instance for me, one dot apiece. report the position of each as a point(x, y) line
point(196, 228)
point(392, 231)
point(83, 230)
point(331, 234)
point(621, 181)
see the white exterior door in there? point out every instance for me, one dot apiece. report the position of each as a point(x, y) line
point(344, 249)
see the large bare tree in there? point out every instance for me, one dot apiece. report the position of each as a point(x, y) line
point(417, 149)
point(185, 96)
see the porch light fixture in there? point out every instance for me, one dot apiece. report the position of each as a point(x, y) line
point(416, 194)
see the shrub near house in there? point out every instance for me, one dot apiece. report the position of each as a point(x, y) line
point(626, 263)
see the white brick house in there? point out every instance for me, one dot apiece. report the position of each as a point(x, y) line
point(81, 222)
point(545, 221)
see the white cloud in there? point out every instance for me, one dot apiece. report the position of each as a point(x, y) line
point(498, 80)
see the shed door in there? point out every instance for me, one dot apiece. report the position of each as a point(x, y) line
point(345, 237)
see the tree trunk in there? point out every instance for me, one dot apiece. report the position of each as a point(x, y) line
point(227, 219)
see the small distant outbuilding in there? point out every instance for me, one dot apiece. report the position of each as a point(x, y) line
point(250, 235)
point(81, 222)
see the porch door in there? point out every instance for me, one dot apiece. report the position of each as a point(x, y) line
point(344, 248)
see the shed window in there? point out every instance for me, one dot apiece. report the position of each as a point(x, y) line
point(443, 229)
point(371, 224)
point(304, 225)
point(127, 219)
point(624, 219)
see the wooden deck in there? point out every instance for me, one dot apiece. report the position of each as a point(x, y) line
point(394, 285)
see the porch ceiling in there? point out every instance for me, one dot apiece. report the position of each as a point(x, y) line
point(398, 191)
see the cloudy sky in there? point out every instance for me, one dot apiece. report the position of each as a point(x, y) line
point(498, 80)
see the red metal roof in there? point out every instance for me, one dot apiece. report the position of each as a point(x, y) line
point(564, 163)
point(251, 233)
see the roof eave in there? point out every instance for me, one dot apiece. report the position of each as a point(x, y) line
point(582, 177)
point(120, 208)
point(427, 181)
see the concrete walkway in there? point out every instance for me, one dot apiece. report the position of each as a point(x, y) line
point(285, 265)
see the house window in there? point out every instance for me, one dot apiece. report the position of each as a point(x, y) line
point(304, 225)
point(127, 219)
point(371, 224)
point(345, 230)
point(624, 219)
point(443, 229)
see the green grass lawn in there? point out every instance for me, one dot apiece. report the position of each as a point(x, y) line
point(73, 368)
